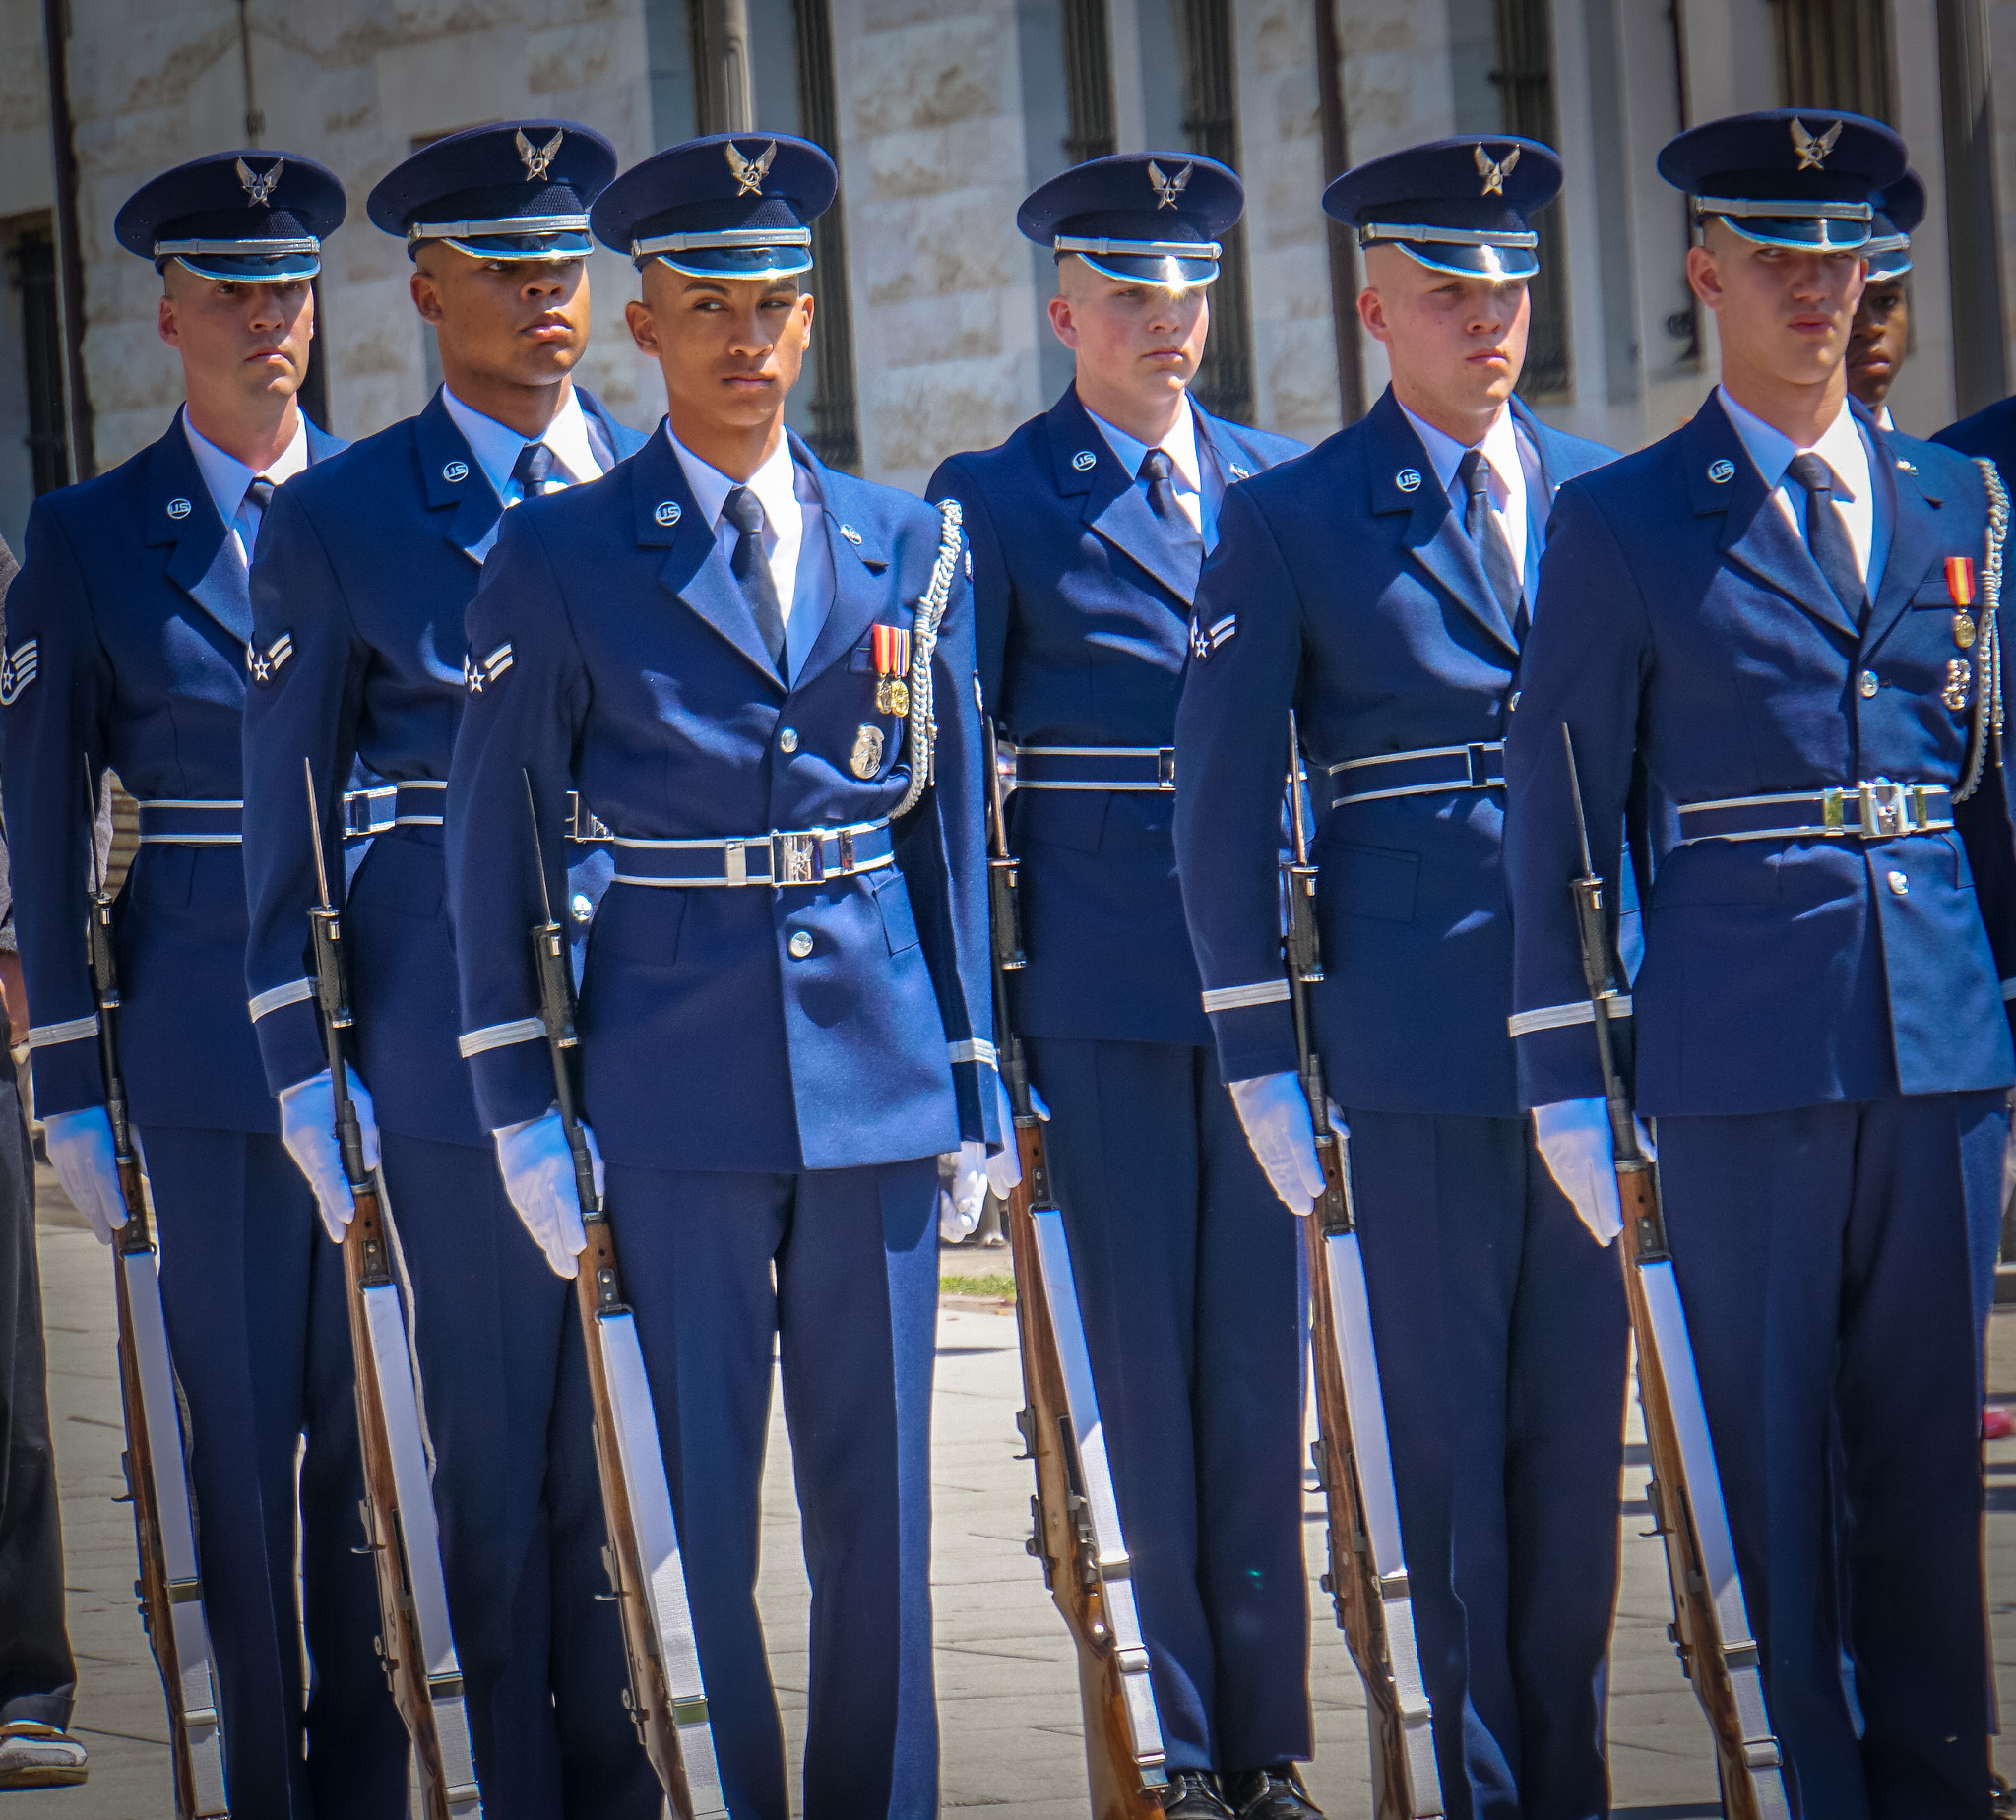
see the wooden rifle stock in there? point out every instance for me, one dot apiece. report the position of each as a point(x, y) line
point(1074, 1515)
point(416, 1643)
point(647, 1577)
point(1711, 1628)
point(156, 1464)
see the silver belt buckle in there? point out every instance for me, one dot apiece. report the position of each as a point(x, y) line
point(1006, 757)
point(1165, 768)
point(365, 807)
point(1885, 813)
point(583, 823)
point(796, 859)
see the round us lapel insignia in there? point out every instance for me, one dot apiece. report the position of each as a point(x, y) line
point(668, 512)
point(850, 534)
point(179, 508)
point(1721, 471)
point(455, 471)
point(1084, 461)
point(1407, 479)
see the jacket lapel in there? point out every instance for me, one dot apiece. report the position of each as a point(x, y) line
point(1085, 466)
point(1756, 535)
point(1236, 463)
point(860, 565)
point(204, 563)
point(455, 484)
point(667, 518)
point(1917, 537)
point(613, 442)
point(1403, 479)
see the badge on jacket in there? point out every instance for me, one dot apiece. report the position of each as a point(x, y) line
point(266, 665)
point(892, 665)
point(1204, 640)
point(478, 672)
point(18, 668)
point(867, 754)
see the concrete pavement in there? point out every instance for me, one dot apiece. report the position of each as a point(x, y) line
point(1007, 1693)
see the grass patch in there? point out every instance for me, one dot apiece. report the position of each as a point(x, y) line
point(995, 1288)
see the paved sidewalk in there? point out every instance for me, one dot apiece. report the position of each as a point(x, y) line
point(1007, 1694)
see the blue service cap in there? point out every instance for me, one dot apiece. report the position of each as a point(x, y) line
point(729, 205)
point(250, 218)
point(1152, 218)
point(517, 190)
point(1799, 177)
point(1461, 206)
point(1899, 211)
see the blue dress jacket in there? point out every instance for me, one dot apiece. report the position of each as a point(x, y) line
point(1683, 623)
point(1991, 432)
point(1083, 623)
point(126, 633)
point(1345, 587)
point(815, 1026)
point(358, 593)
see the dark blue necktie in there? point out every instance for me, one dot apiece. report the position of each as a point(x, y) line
point(534, 463)
point(1827, 536)
point(1489, 536)
point(751, 568)
point(252, 513)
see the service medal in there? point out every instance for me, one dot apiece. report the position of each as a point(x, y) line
point(867, 754)
point(1959, 673)
point(892, 665)
point(1960, 586)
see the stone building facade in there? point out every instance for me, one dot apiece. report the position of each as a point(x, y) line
point(942, 113)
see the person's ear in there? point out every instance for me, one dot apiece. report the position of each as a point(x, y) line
point(1372, 313)
point(1704, 277)
point(643, 328)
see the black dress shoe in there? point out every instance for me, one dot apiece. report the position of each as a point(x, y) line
point(1271, 1795)
point(1192, 1794)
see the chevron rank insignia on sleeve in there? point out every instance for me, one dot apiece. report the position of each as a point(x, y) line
point(478, 673)
point(266, 665)
point(1204, 640)
point(18, 668)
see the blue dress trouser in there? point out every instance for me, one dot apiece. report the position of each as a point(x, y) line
point(1189, 1285)
point(505, 1384)
point(834, 1273)
point(259, 1328)
point(1828, 1258)
point(1501, 1333)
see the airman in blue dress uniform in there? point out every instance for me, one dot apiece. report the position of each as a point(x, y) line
point(128, 633)
point(1382, 586)
point(1778, 613)
point(1882, 336)
point(735, 656)
point(359, 596)
point(1089, 527)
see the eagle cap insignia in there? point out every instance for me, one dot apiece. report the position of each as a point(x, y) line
point(1814, 149)
point(866, 759)
point(1167, 188)
point(1495, 174)
point(538, 158)
point(749, 173)
point(258, 186)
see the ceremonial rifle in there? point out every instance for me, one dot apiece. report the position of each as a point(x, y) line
point(1367, 1578)
point(1075, 1517)
point(171, 1583)
point(1711, 1627)
point(667, 1699)
point(417, 1643)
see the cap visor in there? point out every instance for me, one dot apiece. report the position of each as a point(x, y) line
point(1496, 264)
point(1152, 268)
point(1799, 233)
point(760, 263)
point(575, 244)
point(251, 267)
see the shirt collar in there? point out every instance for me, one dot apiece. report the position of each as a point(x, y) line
point(775, 483)
point(1840, 446)
point(1179, 445)
point(226, 478)
point(497, 445)
point(1500, 447)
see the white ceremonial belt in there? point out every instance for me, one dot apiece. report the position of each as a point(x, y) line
point(1877, 810)
point(47, 1035)
point(1087, 767)
point(808, 856)
point(191, 821)
point(1566, 1017)
point(418, 803)
point(1426, 771)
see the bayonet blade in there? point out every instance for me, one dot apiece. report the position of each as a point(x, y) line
point(315, 829)
point(538, 851)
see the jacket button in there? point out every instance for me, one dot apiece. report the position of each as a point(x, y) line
point(1870, 684)
point(802, 940)
point(1899, 884)
point(787, 740)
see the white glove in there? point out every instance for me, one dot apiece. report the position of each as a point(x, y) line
point(968, 1198)
point(538, 1177)
point(81, 1151)
point(1276, 1114)
point(1573, 1136)
point(307, 1128)
point(1004, 1166)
